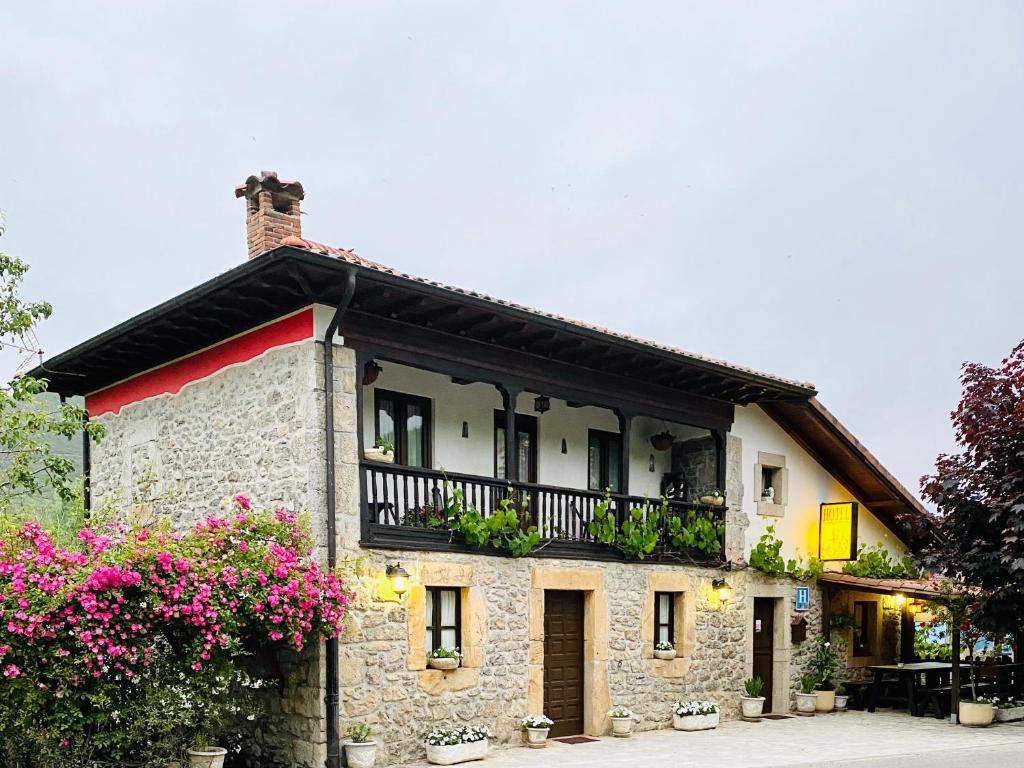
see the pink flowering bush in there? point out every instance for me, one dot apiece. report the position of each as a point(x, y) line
point(138, 622)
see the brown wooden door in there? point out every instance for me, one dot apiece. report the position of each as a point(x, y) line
point(764, 641)
point(563, 661)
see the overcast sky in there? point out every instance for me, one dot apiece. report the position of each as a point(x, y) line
point(826, 191)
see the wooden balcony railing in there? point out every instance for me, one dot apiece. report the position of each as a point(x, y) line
point(406, 506)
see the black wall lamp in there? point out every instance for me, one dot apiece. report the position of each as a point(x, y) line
point(399, 578)
point(542, 404)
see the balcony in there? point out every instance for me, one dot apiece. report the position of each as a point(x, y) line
point(411, 508)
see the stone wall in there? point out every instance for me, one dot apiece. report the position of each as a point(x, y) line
point(254, 428)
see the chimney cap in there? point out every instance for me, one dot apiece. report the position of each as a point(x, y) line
point(267, 181)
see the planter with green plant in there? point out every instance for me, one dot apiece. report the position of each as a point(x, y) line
point(806, 698)
point(622, 721)
point(752, 702)
point(537, 727)
point(202, 754)
point(842, 699)
point(664, 651)
point(360, 749)
point(1008, 710)
point(451, 744)
point(713, 497)
point(444, 658)
point(695, 715)
point(382, 451)
point(824, 664)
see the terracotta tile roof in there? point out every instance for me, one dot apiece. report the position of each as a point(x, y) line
point(352, 257)
point(922, 588)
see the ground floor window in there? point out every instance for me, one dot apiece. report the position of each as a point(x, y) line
point(664, 617)
point(443, 618)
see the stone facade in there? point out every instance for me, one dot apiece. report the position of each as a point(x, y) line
point(258, 428)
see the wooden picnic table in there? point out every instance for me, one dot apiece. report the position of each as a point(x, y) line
point(910, 675)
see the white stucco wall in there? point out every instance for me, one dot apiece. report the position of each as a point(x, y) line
point(810, 485)
point(475, 404)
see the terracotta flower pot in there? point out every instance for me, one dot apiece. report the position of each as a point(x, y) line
point(712, 501)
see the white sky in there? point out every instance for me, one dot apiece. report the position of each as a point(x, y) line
point(826, 191)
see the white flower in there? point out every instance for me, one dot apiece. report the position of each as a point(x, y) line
point(692, 708)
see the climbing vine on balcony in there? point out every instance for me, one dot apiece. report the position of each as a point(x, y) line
point(646, 529)
point(876, 563)
point(501, 530)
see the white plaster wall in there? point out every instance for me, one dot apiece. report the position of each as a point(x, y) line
point(475, 403)
point(809, 486)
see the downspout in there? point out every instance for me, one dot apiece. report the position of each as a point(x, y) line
point(331, 698)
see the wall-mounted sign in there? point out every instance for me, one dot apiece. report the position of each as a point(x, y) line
point(803, 599)
point(837, 531)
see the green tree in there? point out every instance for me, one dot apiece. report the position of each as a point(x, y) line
point(29, 424)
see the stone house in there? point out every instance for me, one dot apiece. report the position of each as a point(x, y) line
point(278, 377)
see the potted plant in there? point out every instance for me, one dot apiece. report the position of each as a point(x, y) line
point(806, 698)
point(752, 704)
point(695, 715)
point(713, 498)
point(444, 658)
point(360, 749)
point(824, 665)
point(1009, 710)
point(452, 744)
point(622, 721)
point(841, 698)
point(537, 727)
point(663, 440)
point(205, 755)
point(382, 451)
point(977, 712)
point(664, 651)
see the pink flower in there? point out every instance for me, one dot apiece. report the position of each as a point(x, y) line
point(243, 501)
point(11, 671)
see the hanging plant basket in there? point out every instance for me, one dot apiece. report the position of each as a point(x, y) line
point(662, 441)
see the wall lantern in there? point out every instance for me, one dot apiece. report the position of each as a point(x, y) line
point(399, 578)
point(913, 607)
point(724, 590)
point(542, 404)
point(370, 373)
point(900, 599)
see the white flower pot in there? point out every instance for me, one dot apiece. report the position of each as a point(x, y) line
point(443, 663)
point(695, 722)
point(977, 714)
point(457, 753)
point(537, 738)
point(751, 707)
point(825, 702)
point(622, 726)
point(1009, 714)
point(207, 757)
point(841, 702)
point(806, 703)
point(665, 655)
point(360, 754)
point(376, 454)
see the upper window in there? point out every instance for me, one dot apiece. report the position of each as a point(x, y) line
point(404, 421)
point(865, 623)
point(443, 618)
point(604, 460)
point(664, 617)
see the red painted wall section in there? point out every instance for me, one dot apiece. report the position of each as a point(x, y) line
point(170, 378)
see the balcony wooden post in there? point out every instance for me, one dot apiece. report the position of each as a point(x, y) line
point(625, 424)
point(509, 393)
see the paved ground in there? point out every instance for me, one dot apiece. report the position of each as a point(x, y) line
point(846, 740)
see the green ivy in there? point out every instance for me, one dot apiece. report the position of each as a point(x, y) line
point(501, 530)
point(766, 555)
point(876, 563)
point(648, 527)
point(701, 532)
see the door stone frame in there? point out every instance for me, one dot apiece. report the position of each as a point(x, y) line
point(782, 594)
point(596, 697)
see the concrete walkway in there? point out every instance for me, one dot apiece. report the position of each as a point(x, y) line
point(854, 739)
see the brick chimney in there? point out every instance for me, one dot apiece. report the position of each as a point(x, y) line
point(271, 211)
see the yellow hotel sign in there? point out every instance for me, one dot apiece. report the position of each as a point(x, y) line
point(837, 531)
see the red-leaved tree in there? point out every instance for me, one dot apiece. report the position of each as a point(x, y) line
point(979, 493)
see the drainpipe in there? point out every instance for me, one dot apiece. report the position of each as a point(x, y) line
point(331, 698)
